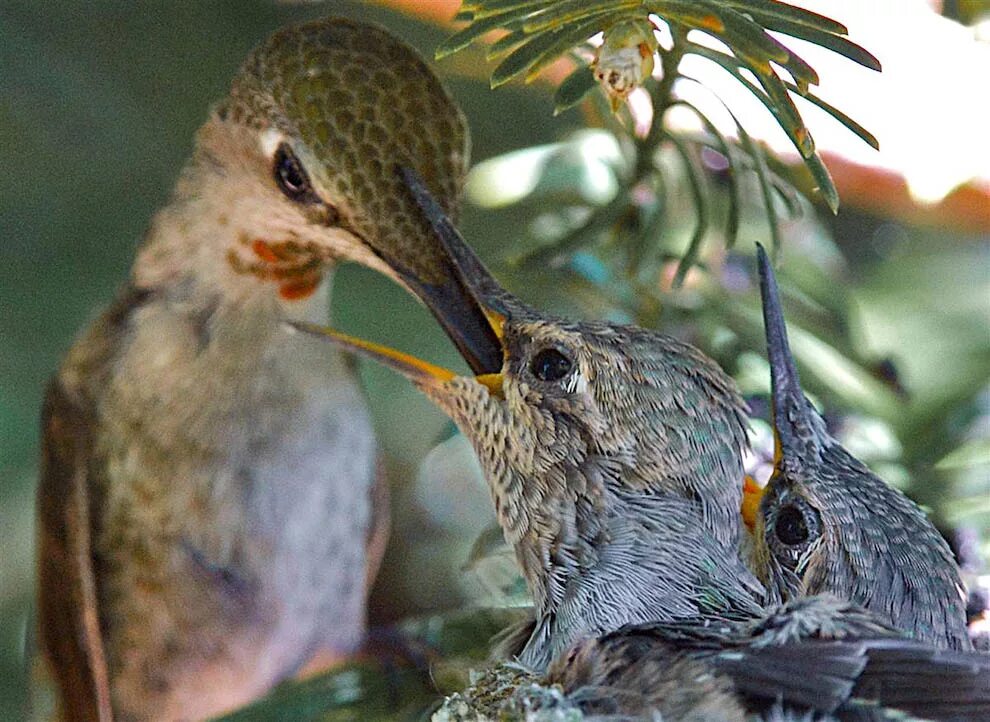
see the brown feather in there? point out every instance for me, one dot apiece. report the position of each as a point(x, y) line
point(67, 604)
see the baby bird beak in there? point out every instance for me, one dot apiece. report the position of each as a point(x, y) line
point(793, 427)
point(422, 373)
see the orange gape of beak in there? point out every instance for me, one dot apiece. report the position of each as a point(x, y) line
point(752, 495)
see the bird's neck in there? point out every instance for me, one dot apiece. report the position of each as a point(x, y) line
point(571, 519)
point(219, 235)
point(630, 558)
point(194, 253)
point(526, 504)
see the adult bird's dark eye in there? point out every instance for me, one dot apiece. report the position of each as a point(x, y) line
point(290, 176)
point(550, 365)
point(791, 528)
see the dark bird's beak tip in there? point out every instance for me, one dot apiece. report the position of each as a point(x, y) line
point(767, 276)
point(782, 368)
point(788, 402)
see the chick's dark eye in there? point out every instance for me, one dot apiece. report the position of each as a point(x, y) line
point(291, 177)
point(550, 365)
point(791, 527)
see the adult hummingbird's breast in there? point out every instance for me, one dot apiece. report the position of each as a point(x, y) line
point(308, 512)
point(233, 466)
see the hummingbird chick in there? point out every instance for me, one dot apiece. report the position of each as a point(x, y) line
point(209, 513)
point(826, 523)
point(642, 608)
point(813, 658)
point(609, 451)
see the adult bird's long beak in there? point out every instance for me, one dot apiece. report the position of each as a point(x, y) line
point(466, 301)
point(488, 295)
point(464, 322)
point(795, 422)
point(471, 307)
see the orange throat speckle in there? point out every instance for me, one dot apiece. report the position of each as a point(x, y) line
point(297, 268)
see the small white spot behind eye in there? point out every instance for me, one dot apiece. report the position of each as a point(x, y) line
point(270, 140)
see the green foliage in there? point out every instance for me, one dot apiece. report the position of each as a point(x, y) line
point(376, 691)
point(539, 32)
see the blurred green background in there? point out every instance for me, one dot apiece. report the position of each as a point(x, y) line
point(99, 102)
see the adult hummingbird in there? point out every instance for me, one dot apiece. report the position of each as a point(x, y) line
point(826, 523)
point(209, 515)
point(601, 443)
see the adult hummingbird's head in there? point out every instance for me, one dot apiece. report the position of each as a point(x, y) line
point(826, 523)
point(296, 168)
point(579, 411)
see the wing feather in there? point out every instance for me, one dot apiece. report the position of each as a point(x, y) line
point(68, 614)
